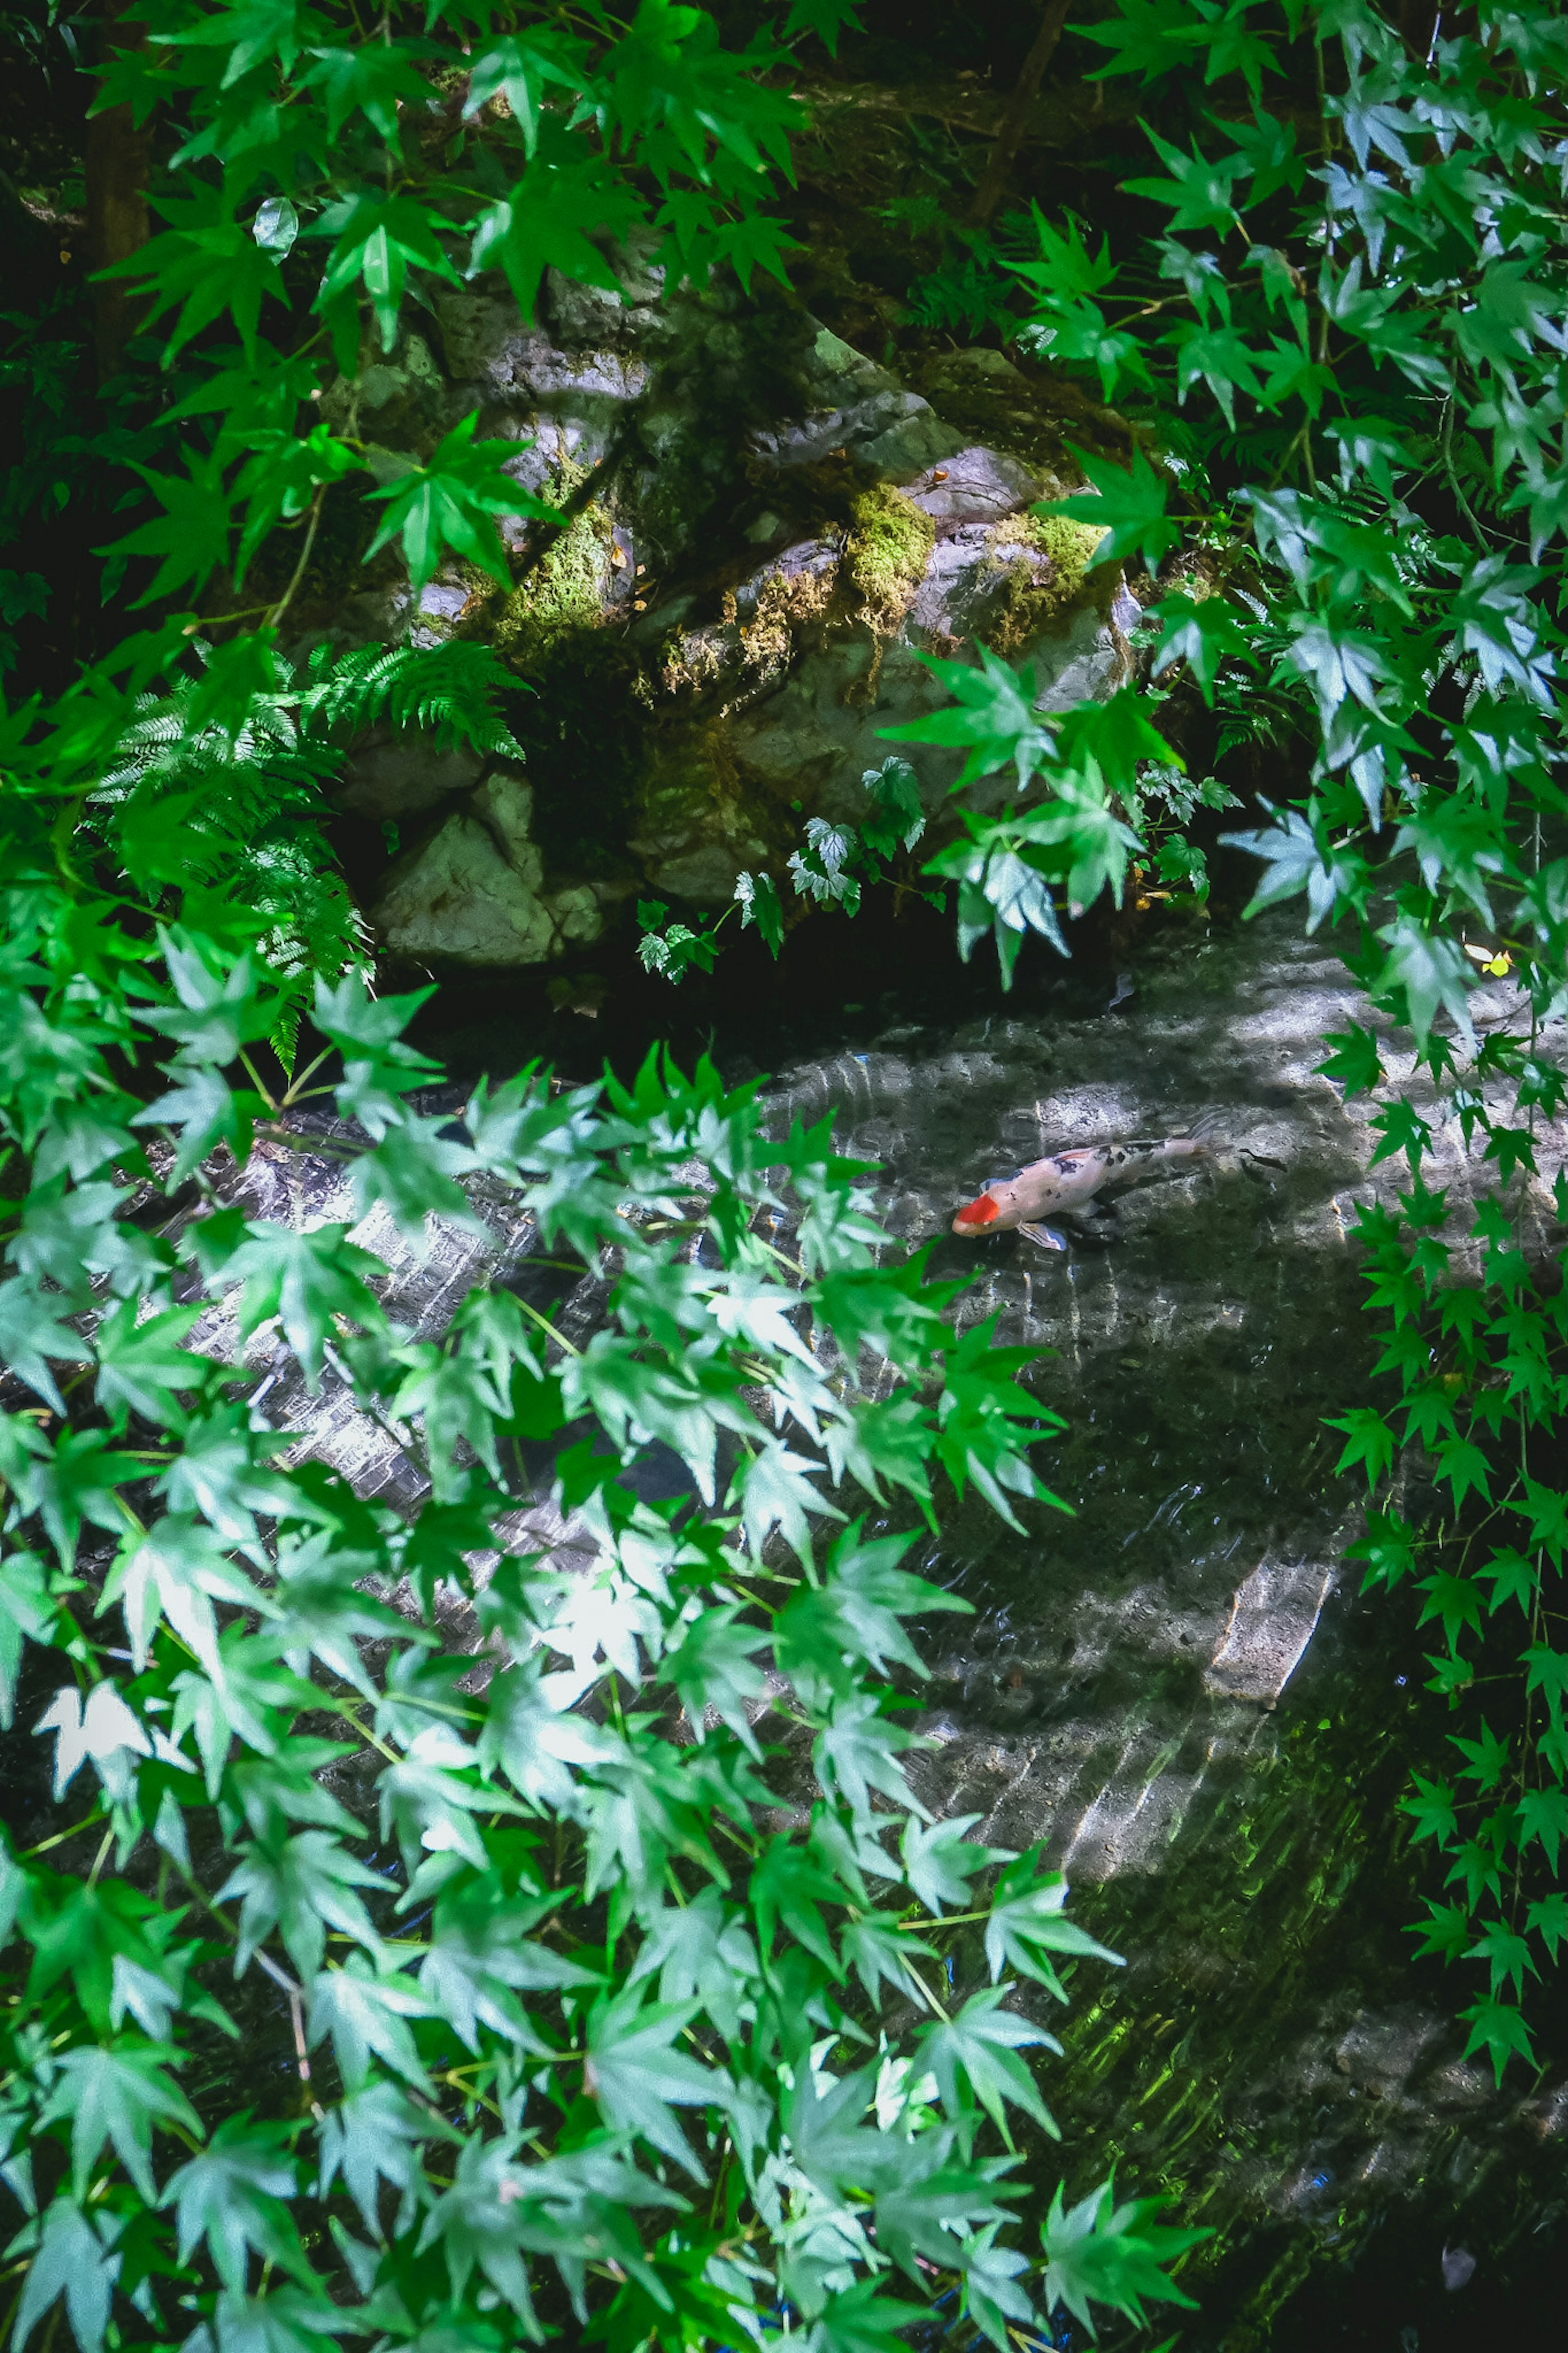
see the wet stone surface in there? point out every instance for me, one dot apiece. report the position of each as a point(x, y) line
point(1175, 1689)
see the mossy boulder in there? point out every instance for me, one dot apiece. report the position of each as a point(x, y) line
point(767, 531)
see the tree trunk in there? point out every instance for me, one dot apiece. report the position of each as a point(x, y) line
point(999, 162)
point(118, 155)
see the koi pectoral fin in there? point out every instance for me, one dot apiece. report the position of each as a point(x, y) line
point(1043, 1237)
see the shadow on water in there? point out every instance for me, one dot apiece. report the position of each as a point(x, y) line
point(1177, 1689)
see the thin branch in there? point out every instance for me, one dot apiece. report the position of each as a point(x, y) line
point(1009, 136)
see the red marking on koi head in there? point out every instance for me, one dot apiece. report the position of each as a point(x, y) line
point(982, 1212)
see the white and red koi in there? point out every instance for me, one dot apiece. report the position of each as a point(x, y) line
point(1066, 1181)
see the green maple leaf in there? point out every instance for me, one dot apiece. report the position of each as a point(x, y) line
point(1497, 2028)
point(858, 1752)
point(305, 1281)
point(118, 2093)
point(1431, 1810)
point(529, 1732)
point(996, 726)
point(1112, 737)
point(877, 1949)
point(986, 1418)
point(235, 2195)
point(552, 218)
point(1511, 1578)
point(1400, 1128)
point(760, 904)
point(674, 87)
point(1446, 1929)
point(222, 1005)
point(322, 1610)
point(1454, 1600)
point(1461, 1462)
point(374, 2136)
point(175, 1572)
point(280, 480)
point(1198, 192)
point(31, 1332)
point(863, 2320)
point(1543, 1815)
point(755, 240)
point(992, 2296)
point(448, 503)
point(1219, 356)
point(1027, 1924)
point(1203, 633)
point(1388, 1549)
point(856, 1614)
point(639, 2077)
point(922, 2214)
point(1355, 1060)
point(274, 1791)
point(80, 1932)
point(27, 1614)
point(81, 1481)
point(1298, 860)
point(520, 66)
point(714, 1668)
point(142, 1365)
point(1546, 1509)
point(366, 2012)
point(300, 1885)
point(1001, 890)
point(1488, 1757)
point(826, 18)
point(75, 2259)
point(1547, 1918)
point(1428, 971)
point(209, 263)
point(481, 1956)
point(774, 1485)
point(432, 1790)
point(253, 30)
point(1369, 1441)
point(1089, 843)
point(1269, 147)
point(1099, 2253)
point(414, 1170)
point(788, 1886)
point(939, 1861)
point(974, 2056)
point(378, 239)
point(191, 533)
point(203, 1111)
point(221, 1473)
point(1129, 502)
point(368, 80)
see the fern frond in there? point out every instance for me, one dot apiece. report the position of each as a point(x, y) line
point(452, 690)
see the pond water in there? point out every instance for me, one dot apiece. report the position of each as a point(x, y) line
point(1176, 1688)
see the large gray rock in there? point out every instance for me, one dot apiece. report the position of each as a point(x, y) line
point(473, 894)
point(779, 529)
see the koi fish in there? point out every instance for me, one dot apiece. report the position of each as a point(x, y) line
point(1066, 1181)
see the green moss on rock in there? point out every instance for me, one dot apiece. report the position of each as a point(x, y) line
point(890, 544)
point(1027, 606)
point(563, 594)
